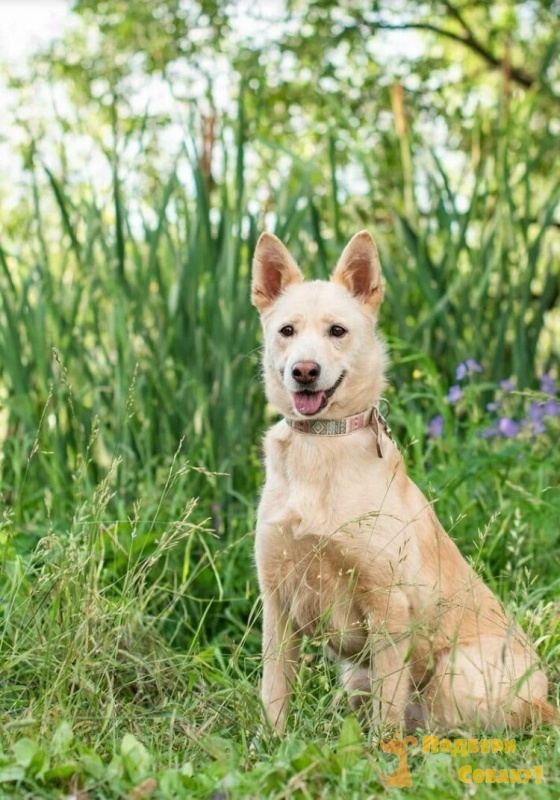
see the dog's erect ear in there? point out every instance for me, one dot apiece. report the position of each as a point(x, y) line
point(359, 270)
point(273, 270)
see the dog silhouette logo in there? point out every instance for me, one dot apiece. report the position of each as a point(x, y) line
point(397, 747)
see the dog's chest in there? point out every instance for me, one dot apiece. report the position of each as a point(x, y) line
point(321, 585)
point(330, 537)
point(322, 486)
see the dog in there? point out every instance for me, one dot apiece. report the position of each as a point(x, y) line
point(346, 544)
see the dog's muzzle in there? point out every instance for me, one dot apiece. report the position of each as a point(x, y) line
point(309, 402)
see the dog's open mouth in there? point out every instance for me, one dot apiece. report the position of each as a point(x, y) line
point(309, 402)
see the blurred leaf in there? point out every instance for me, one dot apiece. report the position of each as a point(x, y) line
point(136, 759)
point(349, 745)
point(62, 739)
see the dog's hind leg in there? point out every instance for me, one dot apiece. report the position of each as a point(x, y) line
point(491, 683)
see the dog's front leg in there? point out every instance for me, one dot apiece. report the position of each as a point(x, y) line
point(280, 656)
point(390, 677)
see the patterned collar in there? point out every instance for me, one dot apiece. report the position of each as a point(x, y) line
point(372, 417)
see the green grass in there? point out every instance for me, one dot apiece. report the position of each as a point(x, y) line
point(130, 643)
point(131, 412)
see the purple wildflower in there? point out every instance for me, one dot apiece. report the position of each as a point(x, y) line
point(487, 433)
point(536, 411)
point(539, 410)
point(508, 385)
point(551, 408)
point(467, 367)
point(492, 406)
point(548, 384)
point(508, 427)
point(535, 418)
point(455, 393)
point(538, 427)
point(435, 428)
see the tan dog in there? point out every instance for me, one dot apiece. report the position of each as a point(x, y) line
point(346, 543)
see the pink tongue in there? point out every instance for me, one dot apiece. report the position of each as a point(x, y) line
point(308, 402)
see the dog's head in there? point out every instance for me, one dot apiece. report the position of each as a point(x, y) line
point(322, 356)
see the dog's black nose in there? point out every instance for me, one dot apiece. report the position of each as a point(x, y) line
point(305, 372)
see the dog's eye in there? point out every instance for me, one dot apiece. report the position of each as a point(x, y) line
point(337, 330)
point(287, 330)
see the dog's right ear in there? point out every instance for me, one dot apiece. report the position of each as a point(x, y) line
point(273, 270)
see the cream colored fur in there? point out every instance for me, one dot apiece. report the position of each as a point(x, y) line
point(346, 543)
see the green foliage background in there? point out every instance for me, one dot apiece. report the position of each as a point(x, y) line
point(147, 150)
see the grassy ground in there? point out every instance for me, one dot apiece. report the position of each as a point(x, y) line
point(130, 638)
point(130, 419)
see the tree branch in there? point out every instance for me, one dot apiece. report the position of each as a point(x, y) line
point(468, 40)
point(517, 73)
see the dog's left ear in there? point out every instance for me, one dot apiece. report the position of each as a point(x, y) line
point(359, 270)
